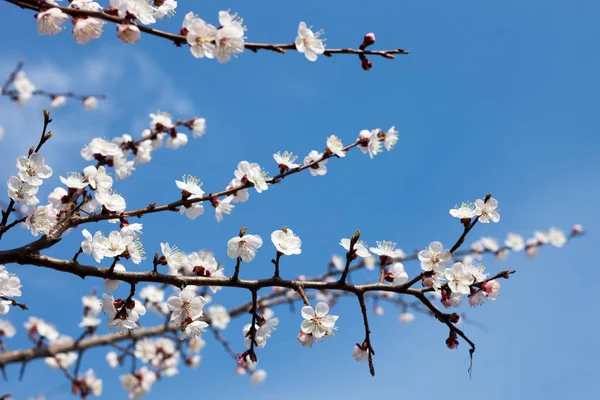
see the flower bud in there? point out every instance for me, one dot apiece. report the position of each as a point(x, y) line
point(368, 40)
point(427, 281)
point(306, 339)
point(452, 342)
point(366, 64)
point(577, 229)
point(128, 33)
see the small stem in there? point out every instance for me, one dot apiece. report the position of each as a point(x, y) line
point(236, 273)
point(298, 288)
point(370, 351)
point(276, 262)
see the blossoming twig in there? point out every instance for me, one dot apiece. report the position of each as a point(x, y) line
point(58, 98)
point(10, 208)
point(179, 40)
point(367, 343)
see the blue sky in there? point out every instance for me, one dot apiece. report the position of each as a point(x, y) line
point(494, 97)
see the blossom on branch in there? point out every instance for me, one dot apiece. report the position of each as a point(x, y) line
point(309, 43)
point(244, 247)
point(318, 322)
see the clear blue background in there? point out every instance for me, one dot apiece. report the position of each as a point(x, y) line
point(495, 96)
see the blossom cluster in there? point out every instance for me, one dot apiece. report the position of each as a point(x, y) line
point(10, 286)
point(204, 39)
point(24, 89)
point(251, 174)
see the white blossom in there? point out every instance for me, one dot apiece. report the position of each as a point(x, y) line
point(24, 86)
point(138, 384)
point(89, 103)
point(176, 141)
point(6, 329)
point(87, 29)
point(370, 142)
point(465, 211)
point(194, 329)
point(316, 168)
point(396, 274)
point(244, 247)
point(515, 242)
point(110, 285)
point(111, 201)
point(41, 220)
point(74, 181)
point(222, 207)
point(112, 359)
point(10, 284)
point(229, 38)
point(253, 173)
point(434, 258)
point(334, 144)
point(42, 328)
point(93, 384)
point(166, 9)
point(219, 317)
point(58, 101)
point(308, 42)
point(200, 36)
point(387, 249)
point(198, 127)
point(22, 192)
point(391, 138)
point(143, 10)
point(360, 247)
point(32, 169)
point(487, 211)
point(50, 21)
point(185, 306)
point(318, 321)
point(406, 317)
point(557, 237)
point(286, 160)
point(258, 377)
point(286, 242)
point(100, 147)
point(360, 354)
point(459, 278)
point(128, 33)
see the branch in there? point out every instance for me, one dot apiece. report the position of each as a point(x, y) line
point(180, 40)
point(446, 319)
point(10, 208)
point(14, 303)
point(13, 94)
point(153, 208)
point(367, 343)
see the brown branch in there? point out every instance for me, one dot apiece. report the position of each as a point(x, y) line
point(180, 40)
point(153, 208)
point(6, 213)
point(468, 227)
point(445, 318)
point(367, 342)
point(14, 303)
point(12, 76)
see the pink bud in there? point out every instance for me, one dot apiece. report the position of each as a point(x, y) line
point(486, 287)
point(378, 310)
point(474, 300)
point(451, 342)
point(306, 339)
point(447, 302)
point(366, 64)
point(240, 370)
point(128, 33)
point(428, 281)
point(577, 229)
point(368, 40)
